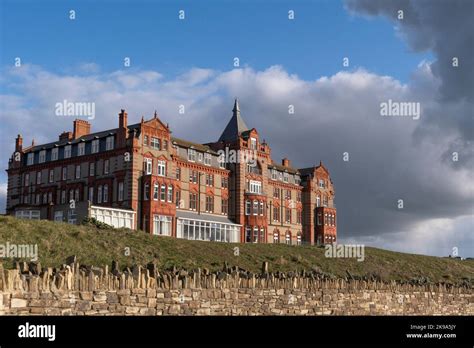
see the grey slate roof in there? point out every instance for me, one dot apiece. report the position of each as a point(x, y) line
point(235, 126)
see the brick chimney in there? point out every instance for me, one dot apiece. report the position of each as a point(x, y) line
point(285, 162)
point(81, 127)
point(122, 132)
point(18, 143)
point(65, 136)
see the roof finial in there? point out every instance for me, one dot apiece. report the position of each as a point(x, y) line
point(236, 108)
point(143, 119)
point(156, 114)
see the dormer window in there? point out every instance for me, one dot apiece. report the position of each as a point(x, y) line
point(109, 145)
point(67, 151)
point(207, 159)
point(54, 154)
point(191, 155)
point(81, 149)
point(285, 177)
point(29, 159)
point(42, 156)
point(95, 146)
point(253, 143)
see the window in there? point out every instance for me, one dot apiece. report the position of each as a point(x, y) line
point(71, 216)
point(255, 234)
point(148, 165)
point(91, 194)
point(51, 176)
point(287, 215)
point(318, 201)
point(78, 172)
point(224, 182)
point(262, 235)
point(162, 168)
point(255, 207)
point(200, 156)
point(42, 156)
point(64, 173)
point(76, 195)
point(209, 204)
point(248, 234)
point(191, 155)
point(276, 213)
point(298, 217)
point(106, 193)
point(106, 166)
point(274, 174)
point(319, 219)
point(252, 167)
point(54, 154)
point(325, 200)
point(38, 178)
point(170, 193)
point(99, 194)
point(221, 161)
point(29, 159)
point(193, 176)
point(253, 143)
point(156, 188)
point(63, 196)
point(163, 193)
point(67, 151)
point(120, 191)
point(225, 206)
point(45, 198)
point(276, 238)
point(165, 145)
point(288, 238)
point(161, 225)
point(155, 143)
point(287, 194)
point(95, 146)
point(298, 239)
point(260, 209)
point(50, 197)
point(192, 201)
point(297, 181)
point(325, 219)
point(178, 173)
point(27, 179)
point(146, 191)
point(255, 186)
point(321, 183)
point(91, 169)
point(81, 149)
point(145, 140)
point(276, 192)
point(248, 206)
point(58, 216)
point(207, 159)
point(209, 180)
point(178, 199)
point(285, 177)
point(298, 196)
point(109, 143)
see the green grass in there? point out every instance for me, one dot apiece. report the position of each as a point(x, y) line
point(99, 247)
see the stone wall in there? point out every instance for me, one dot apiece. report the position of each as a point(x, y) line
point(79, 290)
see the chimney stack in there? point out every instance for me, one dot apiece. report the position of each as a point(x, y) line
point(122, 133)
point(65, 136)
point(81, 127)
point(285, 162)
point(18, 143)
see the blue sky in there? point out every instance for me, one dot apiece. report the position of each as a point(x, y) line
point(213, 33)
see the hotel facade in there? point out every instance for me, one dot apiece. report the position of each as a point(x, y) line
point(141, 177)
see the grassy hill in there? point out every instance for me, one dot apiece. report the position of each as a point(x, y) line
point(99, 247)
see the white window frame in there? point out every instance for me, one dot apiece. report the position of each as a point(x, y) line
point(106, 194)
point(191, 155)
point(95, 146)
point(91, 168)
point(255, 186)
point(38, 178)
point(148, 166)
point(91, 194)
point(81, 149)
point(30, 159)
point(67, 151)
point(54, 154)
point(207, 159)
point(99, 194)
point(42, 156)
point(161, 168)
point(120, 191)
point(109, 143)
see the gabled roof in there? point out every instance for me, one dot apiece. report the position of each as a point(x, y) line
point(189, 144)
point(236, 125)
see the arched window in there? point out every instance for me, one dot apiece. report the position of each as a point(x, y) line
point(247, 207)
point(288, 238)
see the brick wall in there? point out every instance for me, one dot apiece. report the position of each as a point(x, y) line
point(75, 290)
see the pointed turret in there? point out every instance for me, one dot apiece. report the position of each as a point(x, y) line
point(235, 126)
